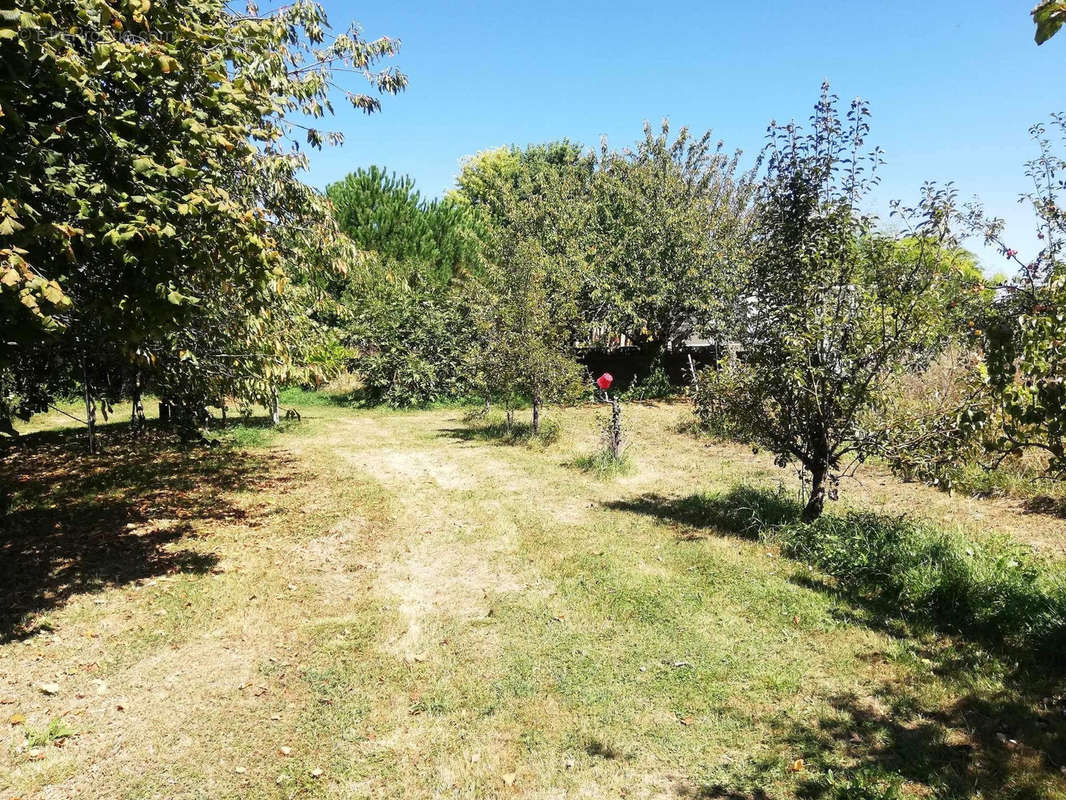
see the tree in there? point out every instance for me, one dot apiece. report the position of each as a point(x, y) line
point(527, 350)
point(385, 214)
point(670, 224)
point(832, 307)
point(410, 337)
point(530, 317)
point(148, 164)
point(1049, 16)
point(1025, 339)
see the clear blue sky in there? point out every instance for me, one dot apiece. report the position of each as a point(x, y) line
point(953, 85)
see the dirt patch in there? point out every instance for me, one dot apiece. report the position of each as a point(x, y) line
point(418, 466)
point(443, 580)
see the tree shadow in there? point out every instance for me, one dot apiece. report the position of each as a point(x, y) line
point(79, 523)
point(518, 433)
point(1049, 505)
point(1003, 745)
point(744, 512)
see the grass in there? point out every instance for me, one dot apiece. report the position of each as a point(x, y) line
point(369, 603)
point(605, 464)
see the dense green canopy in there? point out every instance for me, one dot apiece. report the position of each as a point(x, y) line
point(149, 186)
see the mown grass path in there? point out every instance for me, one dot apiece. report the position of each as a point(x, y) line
point(376, 604)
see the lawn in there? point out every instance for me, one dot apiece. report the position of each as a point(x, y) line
point(367, 603)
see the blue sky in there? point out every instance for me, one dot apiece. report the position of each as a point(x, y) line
point(954, 86)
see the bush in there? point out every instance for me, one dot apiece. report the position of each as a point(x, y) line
point(928, 438)
point(413, 344)
point(719, 394)
point(992, 588)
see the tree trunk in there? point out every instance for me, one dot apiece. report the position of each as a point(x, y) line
point(90, 417)
point(275, 415)
point(90, 406)
point(816, 502)
point(616, 428)
point(137, 414)
point(536, 415)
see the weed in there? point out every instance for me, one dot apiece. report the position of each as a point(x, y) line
point(604, 464)
point(56, 731)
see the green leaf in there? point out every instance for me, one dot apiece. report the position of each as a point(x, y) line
point(1049, 17)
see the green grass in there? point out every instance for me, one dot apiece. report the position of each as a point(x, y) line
point(604, 464)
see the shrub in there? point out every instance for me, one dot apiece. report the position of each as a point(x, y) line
point(413, 343)
point(719, 398)
point(992, 588)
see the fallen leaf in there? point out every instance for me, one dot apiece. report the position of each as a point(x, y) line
point(509, 778)
point(240, 770)
point(49, 688)
point(797, 765)
point(687, 720)
point(17, 719)
point(284, 750)
point(316, 772)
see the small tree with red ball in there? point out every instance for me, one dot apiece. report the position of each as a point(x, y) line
point(613, 431)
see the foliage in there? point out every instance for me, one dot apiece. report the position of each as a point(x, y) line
point(536, 201)
point(657, 228)
point(1025, 339)
point(927, 418)
point(1049, 15)
point(385, 214)
point(411, 338)
point(491, 180)
point(149, 172)
point(832, 307)
point(526, 334)
point(669, 225)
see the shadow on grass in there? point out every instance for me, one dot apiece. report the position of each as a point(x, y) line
point(518, 433)
point(744, 512)
point(1050, 505)
point(1002, 609)
point(79, 523)
point(1003, 745)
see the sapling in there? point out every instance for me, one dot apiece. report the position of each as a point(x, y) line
point(613, 431)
